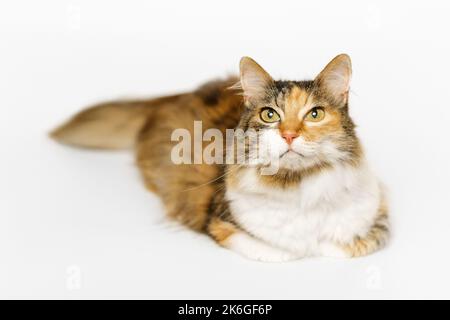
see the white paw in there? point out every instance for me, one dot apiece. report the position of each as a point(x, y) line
point(331, 250)
point(255, 249)
point(269, 255)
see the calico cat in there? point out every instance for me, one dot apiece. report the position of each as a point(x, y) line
point(322, 201)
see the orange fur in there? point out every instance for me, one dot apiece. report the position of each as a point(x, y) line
point(375, 239)
point(221, 230)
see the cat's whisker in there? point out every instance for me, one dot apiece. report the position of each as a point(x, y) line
point(213, 180)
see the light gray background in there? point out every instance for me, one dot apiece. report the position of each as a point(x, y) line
point(79, 224)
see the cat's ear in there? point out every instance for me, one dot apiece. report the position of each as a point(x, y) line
point(334, 79)
point(254, 80)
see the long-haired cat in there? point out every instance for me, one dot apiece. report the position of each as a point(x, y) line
point(322, 201)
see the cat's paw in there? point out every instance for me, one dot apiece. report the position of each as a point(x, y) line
point(269, 255)
point(332, 250)
point(255, 249)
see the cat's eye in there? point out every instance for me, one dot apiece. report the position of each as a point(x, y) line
point(315, 115)
point(269, 115)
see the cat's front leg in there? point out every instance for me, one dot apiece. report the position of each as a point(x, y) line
point(375, 239)
point(237, 240)
point(332, 250)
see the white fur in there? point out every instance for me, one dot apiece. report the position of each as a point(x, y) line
point(326, 209)
point(255, 249)
point(304, 154)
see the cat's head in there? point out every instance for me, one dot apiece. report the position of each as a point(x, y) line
point(301, 124)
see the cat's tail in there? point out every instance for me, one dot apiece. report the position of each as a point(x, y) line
point(111, 125)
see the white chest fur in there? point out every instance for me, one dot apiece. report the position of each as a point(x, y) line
point(331, 207)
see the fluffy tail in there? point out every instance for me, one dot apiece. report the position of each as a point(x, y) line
point(106, 126)
point(112, 125)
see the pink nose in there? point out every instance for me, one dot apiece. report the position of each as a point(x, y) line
point(289, 136)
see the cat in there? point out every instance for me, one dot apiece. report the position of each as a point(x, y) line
point(323, 200)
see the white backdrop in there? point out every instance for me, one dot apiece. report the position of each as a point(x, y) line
point(79, 224)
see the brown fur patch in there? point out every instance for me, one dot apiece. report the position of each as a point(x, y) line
point(285, 178)
point(221, 230)
point(331, 126)
point(294, 103)
point(376, 238)
point(186, 189)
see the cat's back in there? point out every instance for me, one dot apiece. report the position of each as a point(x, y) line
point(186, 188)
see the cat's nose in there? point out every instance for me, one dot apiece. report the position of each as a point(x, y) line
point(289, 136)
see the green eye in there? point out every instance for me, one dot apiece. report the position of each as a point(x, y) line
point(315, 115)
point(269, 115)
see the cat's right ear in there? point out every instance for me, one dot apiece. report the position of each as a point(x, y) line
point(254, 80)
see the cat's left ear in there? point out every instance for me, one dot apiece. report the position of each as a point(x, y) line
point(254, 79)
point(334, 79)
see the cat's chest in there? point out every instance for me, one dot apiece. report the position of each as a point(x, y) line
point(321, 209)
point(282, 220)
